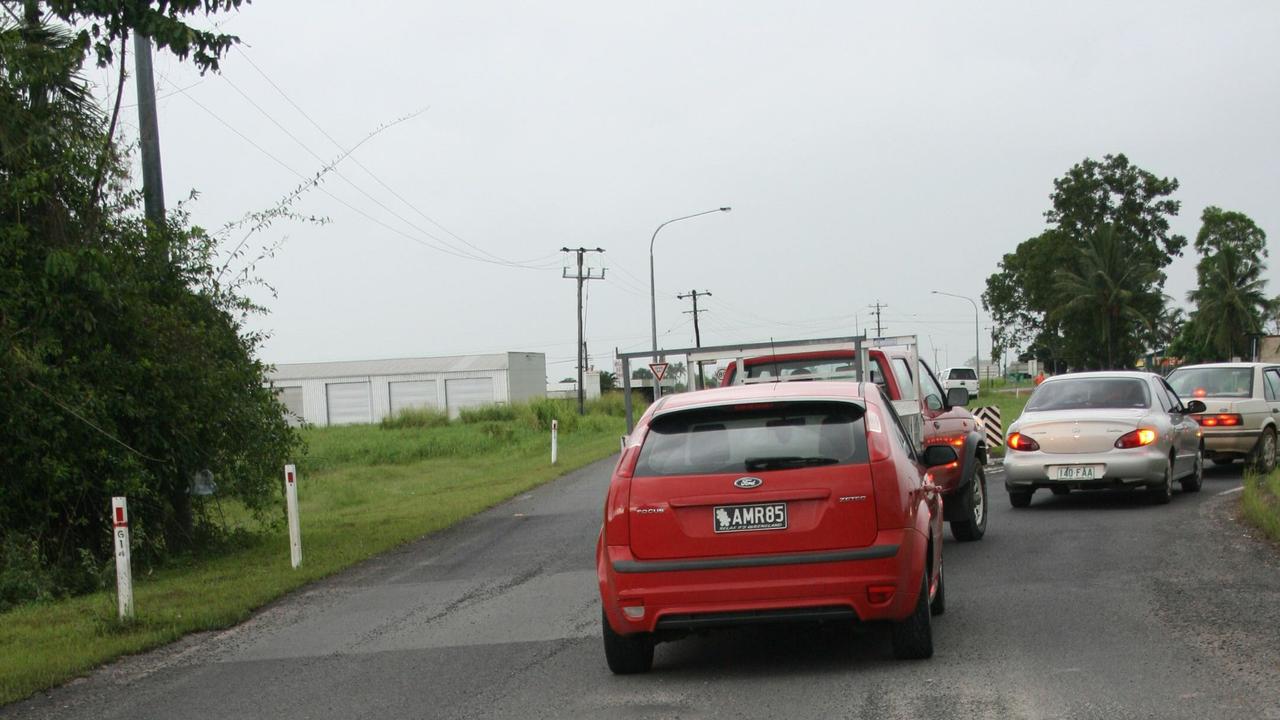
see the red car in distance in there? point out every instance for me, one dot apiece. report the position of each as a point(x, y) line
point(945, 419)
point(769, 503)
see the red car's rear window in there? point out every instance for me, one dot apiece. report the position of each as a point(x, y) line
point(751, 438)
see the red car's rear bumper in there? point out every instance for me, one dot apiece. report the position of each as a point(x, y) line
point(686, 588)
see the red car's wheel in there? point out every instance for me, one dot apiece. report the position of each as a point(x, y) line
point(913, 637)
point(626, 654)
point(974, 501)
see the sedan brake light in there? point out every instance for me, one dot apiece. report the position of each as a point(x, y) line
point(1018, 441)
point(1136, 438)
point(1220, 420)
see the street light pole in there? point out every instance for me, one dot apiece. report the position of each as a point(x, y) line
point(653, 293)
point(977, 348)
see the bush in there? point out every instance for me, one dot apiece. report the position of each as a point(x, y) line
point(541, 411)
point(489, 413)
point(416, 418)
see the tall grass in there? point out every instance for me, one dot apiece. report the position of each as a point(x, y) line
point(1260, 502)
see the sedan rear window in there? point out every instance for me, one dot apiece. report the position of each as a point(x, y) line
point(1212, 382)
point(753, 438)
point(1090, 393)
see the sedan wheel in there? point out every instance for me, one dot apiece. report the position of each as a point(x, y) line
point(1161, 494)
point(1020, 498)
point(1264, 456)
point(1192, 482)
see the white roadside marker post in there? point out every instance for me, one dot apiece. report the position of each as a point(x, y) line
point(124, 572)
point(555, 431)
point(291, 504)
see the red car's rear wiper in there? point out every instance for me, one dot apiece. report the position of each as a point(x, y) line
point(786, 461)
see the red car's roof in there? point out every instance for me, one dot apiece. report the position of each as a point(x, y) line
point(762, 392)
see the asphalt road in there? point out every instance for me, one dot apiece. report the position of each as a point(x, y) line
point(1089, 606)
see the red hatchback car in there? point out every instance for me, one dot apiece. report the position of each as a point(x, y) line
point(769, 503)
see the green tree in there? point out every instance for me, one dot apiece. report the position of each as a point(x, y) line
point(1230, 299)
point(1273, 316)
point(1110, 293)
point(608, 381)
point(125, 365)
point(1024, 296)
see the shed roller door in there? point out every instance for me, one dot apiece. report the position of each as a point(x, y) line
point(467, 392)
point(291, 398)
point(348, 402)
point(412, 394)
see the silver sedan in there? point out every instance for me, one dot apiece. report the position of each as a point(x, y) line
point(1101, 430)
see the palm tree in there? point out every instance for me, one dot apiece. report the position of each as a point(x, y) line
point(1114, 292)
point(1230, 300)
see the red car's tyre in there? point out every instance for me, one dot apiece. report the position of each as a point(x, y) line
point(626, 654)
point(974, 500)
point(939, 604)
point(913, 637)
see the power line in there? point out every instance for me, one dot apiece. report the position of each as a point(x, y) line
point(388, 188)
point(445, 243)
point(337, 199)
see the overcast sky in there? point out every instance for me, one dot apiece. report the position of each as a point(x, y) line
point(870, 151)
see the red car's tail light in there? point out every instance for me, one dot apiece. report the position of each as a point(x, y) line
point(1018, 441)
point(877, 440)
point(1220, 420)
point(627, 463)
point(1136, 438)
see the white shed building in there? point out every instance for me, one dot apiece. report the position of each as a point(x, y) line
point(365, 391)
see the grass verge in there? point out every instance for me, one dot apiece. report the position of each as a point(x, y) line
point(1260, 502)
point(1010, 404)
point(362, 490)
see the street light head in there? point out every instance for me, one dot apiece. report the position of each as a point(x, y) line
point(725, 209)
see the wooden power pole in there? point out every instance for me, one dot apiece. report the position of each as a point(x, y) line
point(582, 278)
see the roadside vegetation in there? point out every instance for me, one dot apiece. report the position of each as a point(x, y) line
point(1010, 400)
point(362, 490)
point(126, 365)
point(1260, 502)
